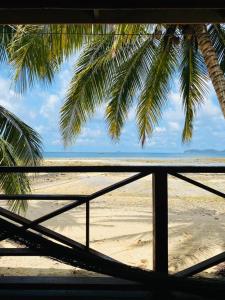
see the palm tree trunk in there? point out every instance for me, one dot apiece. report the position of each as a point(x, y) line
point(212, 63)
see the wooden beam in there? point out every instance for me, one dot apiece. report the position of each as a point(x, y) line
point(160, 221)
point(24, 252)
point(143, 169)
point(116, 4)
point(103, 16)
point(94, 288)
point(87, 225)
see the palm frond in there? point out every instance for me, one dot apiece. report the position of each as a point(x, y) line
point(87, 87)
point(193, 83)
point(31, 57)
point(13, 183)
point(125, 34)
point(6, 35)
point(19, 145)
point(26, 142)
point(154, 94)
point(217, 34)
point(128, 79)
point(37, 51)
point(65, 39)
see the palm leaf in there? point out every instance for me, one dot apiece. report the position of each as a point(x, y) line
point(6, 35)
point(193, 83)
point(127, 81)
point(19, 145)
point(37, 51)
point(13, 183)
point(125, 34)
point(31, 57)
point(154, 94)
point(87, 87)
point(25, 141)
point(217, 34)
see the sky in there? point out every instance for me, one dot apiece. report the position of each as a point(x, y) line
point(39, 107)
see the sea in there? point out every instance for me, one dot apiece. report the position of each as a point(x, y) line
point(133, 155)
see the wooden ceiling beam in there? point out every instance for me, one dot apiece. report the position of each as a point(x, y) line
point(47, 16)
point(116, 11)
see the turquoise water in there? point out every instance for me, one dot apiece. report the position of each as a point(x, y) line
point(131, 155)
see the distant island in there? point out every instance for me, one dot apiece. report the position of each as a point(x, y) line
point(204, 151)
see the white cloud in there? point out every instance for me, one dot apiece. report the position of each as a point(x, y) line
point(40, 129)
point(132, 114)
point(209, 109)
point(50, 105)
point(175, 98)
point(174, 111)
point(100, 112)
point(86, 142)
point(160, 130)
point(90, 133)
point(8, 98)
point(32, 114)
point(57, 142)
point(174, 126)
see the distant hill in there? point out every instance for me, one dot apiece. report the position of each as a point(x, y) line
point(204, 151)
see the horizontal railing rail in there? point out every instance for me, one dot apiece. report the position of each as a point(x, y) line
point(160, 209)
point(114, 169)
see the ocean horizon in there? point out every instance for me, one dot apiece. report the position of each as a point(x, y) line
point(132, 155)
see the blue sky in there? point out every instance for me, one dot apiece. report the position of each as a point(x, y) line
point(39, 107)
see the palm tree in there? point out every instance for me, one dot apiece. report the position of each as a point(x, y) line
point(120, 63)
point(19, 143)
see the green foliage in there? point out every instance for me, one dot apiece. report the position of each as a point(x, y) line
point(126, 82)
point(37, 51)
point(154, 93)
point(119, 66)
point(86, 87)
point(22, 138)
point(217, 33)
point(19, 145)
point(13, 183)
point(193, 83)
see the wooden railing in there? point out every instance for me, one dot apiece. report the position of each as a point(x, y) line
point(160, 217)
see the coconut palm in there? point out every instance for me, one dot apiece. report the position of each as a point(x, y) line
point(19, 143)
point(122, 66)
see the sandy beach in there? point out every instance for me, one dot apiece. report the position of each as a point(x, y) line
point(121, 221)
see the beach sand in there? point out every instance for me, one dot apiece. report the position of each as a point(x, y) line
point(121, 221)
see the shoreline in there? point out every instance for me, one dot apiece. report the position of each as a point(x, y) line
point(213, 161)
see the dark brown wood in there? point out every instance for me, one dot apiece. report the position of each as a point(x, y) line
point(46, 197)
point(145, 170)
point(203, 265)
point(24, 252)
point(57, 282)
point(99, 288)
point(116, 4)
point(160, 221)
point(116, 16)
point(99, 11)
point(87, 224)
point(199, 184)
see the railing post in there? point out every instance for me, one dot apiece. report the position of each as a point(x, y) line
point(160, 221)
point(87, 224)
